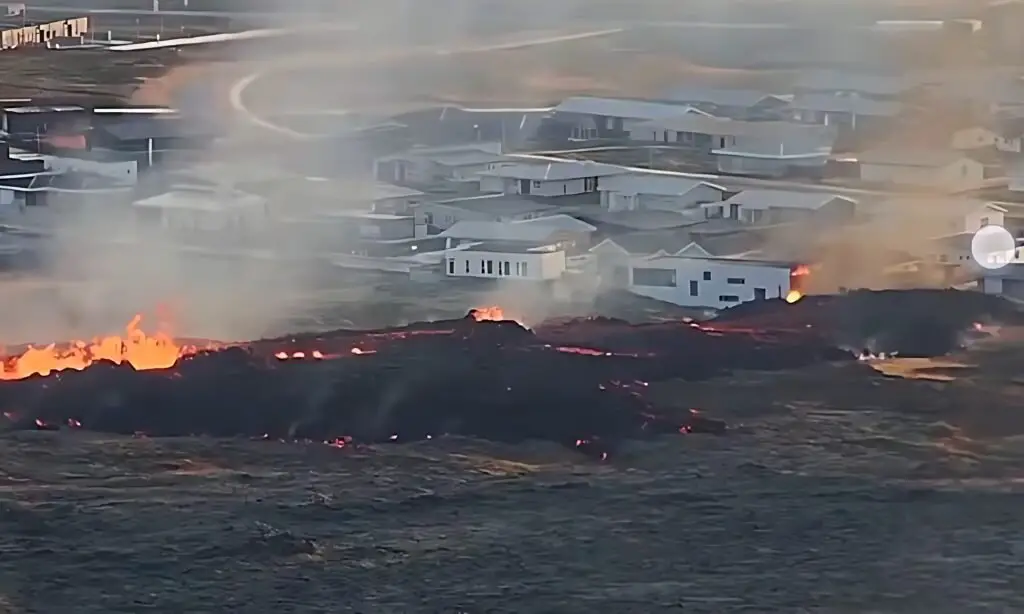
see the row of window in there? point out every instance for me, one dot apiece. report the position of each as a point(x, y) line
point(644, 276)
point(491, 267)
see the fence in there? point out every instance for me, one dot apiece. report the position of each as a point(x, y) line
point(42, 33)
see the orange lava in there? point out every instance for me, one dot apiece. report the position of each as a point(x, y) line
point(493, 313)
point(141, 351)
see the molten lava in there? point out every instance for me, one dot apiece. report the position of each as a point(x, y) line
point(141, 351)
point(483, 314)
point(794, 296)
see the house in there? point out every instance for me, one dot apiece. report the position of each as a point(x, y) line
point(119, 168)
point(570, 234)
point(444, 214)
point(512, 261)
point(661, 192)
point(715, 283)
point(372, 226)
point(593, 118)
point(852, 113)
point(780, 151)
point(728, 102)
point(944, 169)
point(151, 137)
point(552, 179)
point(1009, 134)
point(450, 125)
point(872, 85)
point(781, 206)
point(430, 165)
point(978, 137)
point(211, 217)
point(27, 122)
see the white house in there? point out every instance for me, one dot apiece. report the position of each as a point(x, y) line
point(425, 165)
point(567, 232)
point(443, 214)
point(663, 192)
point(377, 226)
point(780, 206)
point(552, 179)
point(593, 118)
point(512, 261)
point(925, 168)
point(715, 283)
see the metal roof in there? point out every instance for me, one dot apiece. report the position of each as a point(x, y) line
point(620, 107)
point(500, 231)
point(723, 97)
point(924, 158)
point(561, 221)
point(555, 171)
point(653, 184)
point(497, 204)
point(879, 84)
point(855, 105)
point(781, 199)
point(717, 126)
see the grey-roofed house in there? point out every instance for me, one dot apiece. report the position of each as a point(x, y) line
point(728, 102)
point(564, 178)
point(586, 117)
point(878, 86)
point(638, 191)
point(946, 169)
point(785, 149)
point(426, 166)
point(444, 214)
point(782, 206)
point(570, 234)
point(851, 112)
point(151, 138)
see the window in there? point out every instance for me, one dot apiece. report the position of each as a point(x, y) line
point(508, 268)
point(451, 267)
point(707, 275)
point(525, 273)
point(467, 266)
point(536, 184)
point(736, 281)
point(984, 222)
point(483, 267)
point(694, 290)
point(519, 268)
point(729, 298)
point(490, 267)
point(734, 211)
point(654, 277)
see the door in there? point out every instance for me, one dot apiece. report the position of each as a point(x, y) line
point(524, 186)
point(759, 294)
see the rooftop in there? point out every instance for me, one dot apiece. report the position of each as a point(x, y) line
point(638, 183)
point(620, 107)
point(924, 158)
point(365, 215)
point(555, 171)
point(681, 241)
point(782, 199)
point(855, 105)
point(503, 247)
point(717, 126)
point(724, 97)
point(878, 84)
point(498, 204)
point(562, 222)
point(44, 109)
point(501, 231)
point(200, 200)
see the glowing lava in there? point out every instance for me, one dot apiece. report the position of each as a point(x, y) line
point(484, 314)
point(794, 296)
point(141, 351)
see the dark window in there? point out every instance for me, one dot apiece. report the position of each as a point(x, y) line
point(729, 298)
point(759, 294)
point(467, 265)
point(508, 268)
point(734, 211)
point(707, 275)
point(490, 267)
point(451, 267)
point(736, 281)
point(694, 291)
point(654, 277)
point(525, 273)
point(483, 267)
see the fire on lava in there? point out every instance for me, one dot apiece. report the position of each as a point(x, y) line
point(141, 351)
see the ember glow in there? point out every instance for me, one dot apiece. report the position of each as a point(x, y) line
point(141, 351)
point(492, 313)
point(794, 296)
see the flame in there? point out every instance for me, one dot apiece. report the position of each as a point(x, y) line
point(136, 348)
point(800, 271)
point(794, 296)
point(492, 313)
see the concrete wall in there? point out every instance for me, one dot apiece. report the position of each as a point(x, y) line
point(522, 266)
point(692, 288)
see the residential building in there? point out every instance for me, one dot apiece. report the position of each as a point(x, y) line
point(715, 283)
point(570, 234)
point(872, 85)
point(551, 179)
point(944, 169)
point(710, 133)
point(781, 206)
point(450, 125)
point(118, 168)
point(430, 165)
point(659, 192)
point(28, 122)
point(151, 137)
point(593, 118)
point(372, 226)
point(444, 214)
point(203, 216)
point(855, 113)
point(511, 261)
point(728, 102)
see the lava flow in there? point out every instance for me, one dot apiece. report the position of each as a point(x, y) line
point(136, 348)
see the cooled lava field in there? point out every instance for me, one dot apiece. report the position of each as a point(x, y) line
point(830, 489)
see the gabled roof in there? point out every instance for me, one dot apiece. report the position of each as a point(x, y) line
point(878, 84)
point(855, 105)
point(497, 204)
point(500, 231)
point(716, 126)
point(723, 97)
point(782, 199)
point(923, 158)
point(660, 185)
point(678, 242)
point(619, 107)
point(555, 171)
point(561, 222)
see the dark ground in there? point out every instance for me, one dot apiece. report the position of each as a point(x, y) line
point(838, 491)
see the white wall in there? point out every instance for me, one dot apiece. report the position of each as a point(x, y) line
point(774, 280)
point(445, 216)
point(506, 185)
point(613, 200)
point(974, 221)
point(975, 138)
point(962, 174)
point(125, 171)
point(536, 266)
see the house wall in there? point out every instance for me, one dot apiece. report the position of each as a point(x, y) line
point(387, 230)
point(445, 216)
point(974, 138)
point(568, 187)
point(962, 174)
point(758, 167)
point(125, 172)
point(697, 282)
point(538, 266)
point(616, 201)
point(976, 220)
